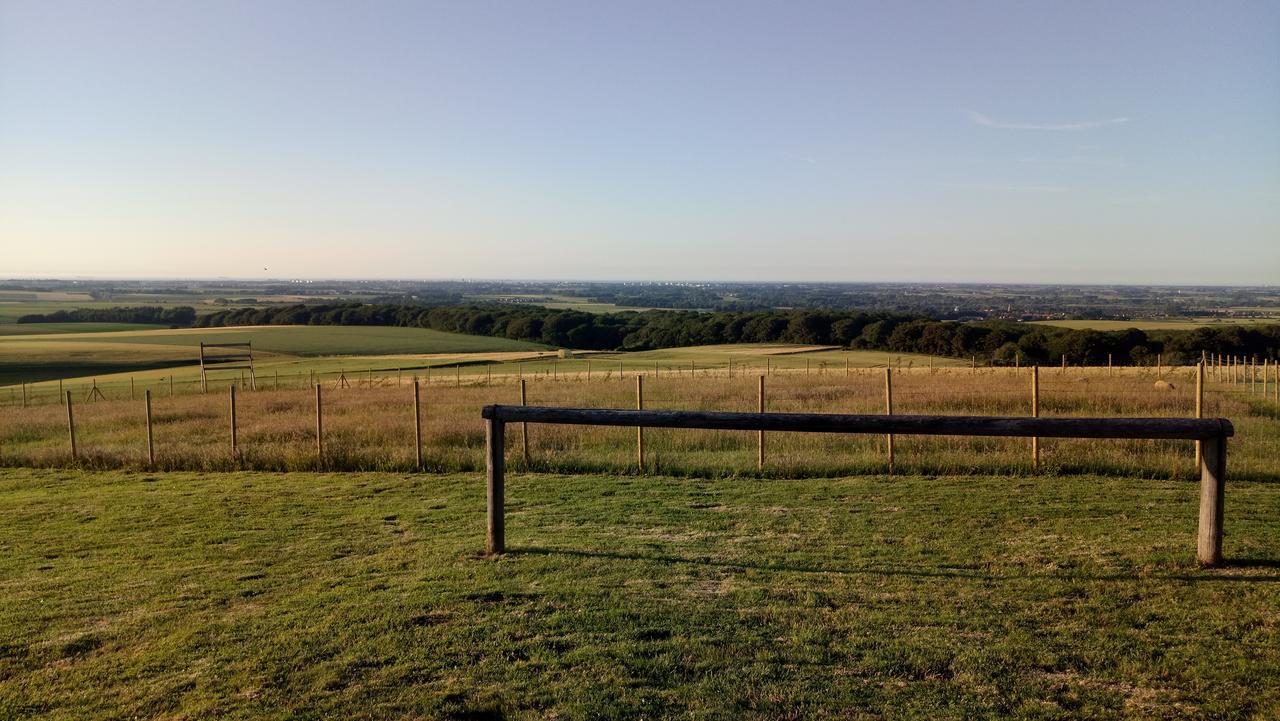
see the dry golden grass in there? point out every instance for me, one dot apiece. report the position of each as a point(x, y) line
point(369, 426)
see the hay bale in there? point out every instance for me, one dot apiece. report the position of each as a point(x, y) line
point(1163, 385)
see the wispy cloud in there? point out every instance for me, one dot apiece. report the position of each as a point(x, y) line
point(990, 122)
point(1100, 161)
point(1009, 187)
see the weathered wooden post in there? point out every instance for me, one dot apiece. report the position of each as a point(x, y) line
point(1035, 413)
point(319, 427)
point(151, 448)
point(524, 428)
point(71, 427)
point(1199, 407)
point(1108, 365)
point(640, 429)
point(60, 390)
point(1213, 476)
point(235, 450)
point(494, 445)
point(760, 434)
point(888, 411)
point(417, 426)
point(588, 370)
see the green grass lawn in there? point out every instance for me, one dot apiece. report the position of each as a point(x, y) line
point(362, 596)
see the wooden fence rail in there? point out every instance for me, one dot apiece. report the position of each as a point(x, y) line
point(1212, 433)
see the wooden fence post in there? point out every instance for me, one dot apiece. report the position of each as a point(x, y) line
point(1213, 476)
point(417, 426)
point(1108, 365)
point(760, 434)
point(1199, 408)
point(151, 447)
point(60, 390)
point(1035, 413)
point(71, 427)
point(640, 429)
point(235, 450)
point(888, 411)
point(495, 536)
point(319, 427)
point(524, 428)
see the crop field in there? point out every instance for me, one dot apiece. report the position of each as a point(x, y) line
point(1152, 324)
point(364, 596)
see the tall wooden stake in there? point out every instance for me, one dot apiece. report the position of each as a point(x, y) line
point(151, 447)
point(235, 450)
point(524, 428)
point(1199, 407)
point(319, 427)
point(417, 426)
point(760, 434)
point(888, 410)
point(640, 429)
point(1035, 413)
point(71, 427)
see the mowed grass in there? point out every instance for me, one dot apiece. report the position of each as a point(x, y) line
point(364, 596)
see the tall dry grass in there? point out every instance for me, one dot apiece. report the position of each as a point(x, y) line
point(369, 426)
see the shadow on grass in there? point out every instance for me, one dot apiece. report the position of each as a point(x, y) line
point(1207, 575)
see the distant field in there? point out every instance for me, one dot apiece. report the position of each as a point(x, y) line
point(1170, 324)
point(562, 302)
point(65, 355)
point(7, 329)
point(363, 596)
point(10, 311)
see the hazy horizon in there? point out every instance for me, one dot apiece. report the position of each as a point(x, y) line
point(1083, 143)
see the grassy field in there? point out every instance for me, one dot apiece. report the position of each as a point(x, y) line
point(11, 329)
point(368, 426)
point(114, 359)
point(362, 596)
point(1164, 324)
point(72, 355)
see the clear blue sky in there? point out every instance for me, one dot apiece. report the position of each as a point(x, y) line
point(952, 141)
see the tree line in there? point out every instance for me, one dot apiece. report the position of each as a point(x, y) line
point(1002, 342)
point(180, 315)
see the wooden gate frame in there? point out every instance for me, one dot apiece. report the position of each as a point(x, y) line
point(1211, 432)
